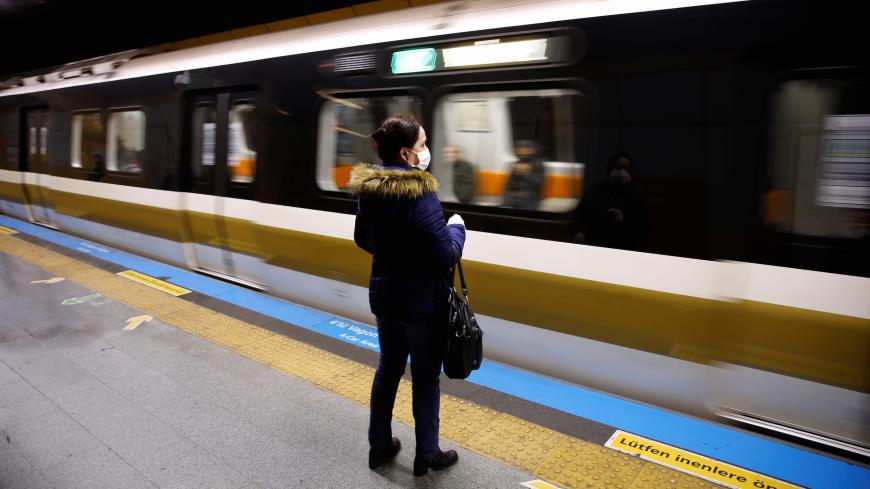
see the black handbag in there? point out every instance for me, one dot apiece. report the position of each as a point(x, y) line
point(464, 336)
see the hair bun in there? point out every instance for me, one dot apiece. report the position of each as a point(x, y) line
point(394, 133)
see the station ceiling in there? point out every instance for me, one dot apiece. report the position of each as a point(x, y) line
point(36, 34)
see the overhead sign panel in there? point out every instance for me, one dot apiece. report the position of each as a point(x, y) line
point(495, 52)
point(537, 49)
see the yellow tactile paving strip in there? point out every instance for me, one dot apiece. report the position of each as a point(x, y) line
point(562, 460)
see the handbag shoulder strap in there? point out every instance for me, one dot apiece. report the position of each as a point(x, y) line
point(458, 264)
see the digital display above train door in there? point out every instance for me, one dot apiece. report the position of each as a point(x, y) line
point(496, 52)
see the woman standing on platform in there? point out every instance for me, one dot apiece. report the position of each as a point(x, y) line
point(401, 223)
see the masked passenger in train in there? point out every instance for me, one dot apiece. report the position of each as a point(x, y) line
point(526, 182)
point(613, 214)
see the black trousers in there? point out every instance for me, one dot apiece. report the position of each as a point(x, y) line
point(424, 341)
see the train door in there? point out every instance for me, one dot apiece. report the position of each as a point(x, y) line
point(223, 163)
point(37, 176)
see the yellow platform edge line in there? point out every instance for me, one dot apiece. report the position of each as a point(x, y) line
point(556, 458)
point(154, 283)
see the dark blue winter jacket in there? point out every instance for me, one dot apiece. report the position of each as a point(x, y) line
point(400, 222)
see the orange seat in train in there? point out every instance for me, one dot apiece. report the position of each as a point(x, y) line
point(341, 175)
point(492, 183)
point(555, 186)
point(244, 169)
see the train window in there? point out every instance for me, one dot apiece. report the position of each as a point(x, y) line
point(37, 137)
point(345, 125)
point(242, 158)
point(816, 202)
point(43, 141)
point(125, 141)
point(87, 139)
point(819, 157)
point(204, 132)
point(509, 148)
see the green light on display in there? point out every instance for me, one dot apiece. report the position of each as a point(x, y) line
point(413, 61)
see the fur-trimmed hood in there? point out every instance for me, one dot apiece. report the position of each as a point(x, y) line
point(378, 181)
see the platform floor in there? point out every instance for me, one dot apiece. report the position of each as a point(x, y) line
point(85, 403)
point(107, 382)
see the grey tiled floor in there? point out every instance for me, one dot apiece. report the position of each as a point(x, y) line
point(84, 404)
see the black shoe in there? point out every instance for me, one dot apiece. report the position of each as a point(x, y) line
point(440, 461)
point(377, 456)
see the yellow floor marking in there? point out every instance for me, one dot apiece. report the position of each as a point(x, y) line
point(7, 231)
point(539, 484)
point(549, 455)
point(576, 463)
point(53, 280)
point(134, 322)
point(516, 442)
point(154, 283)
point(692, 463)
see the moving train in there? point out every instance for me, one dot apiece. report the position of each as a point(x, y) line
point(742, 293)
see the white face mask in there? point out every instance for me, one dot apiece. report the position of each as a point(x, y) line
point(425, 157)
point(618, 175)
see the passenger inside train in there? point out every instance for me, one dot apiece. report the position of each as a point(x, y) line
point(98, 169)
point(613, 213)
point(523, 188)
point(464, 181)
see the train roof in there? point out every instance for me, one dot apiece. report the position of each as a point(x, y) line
point(419, 22)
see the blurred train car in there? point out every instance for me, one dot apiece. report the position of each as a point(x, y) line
point(741, 287)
